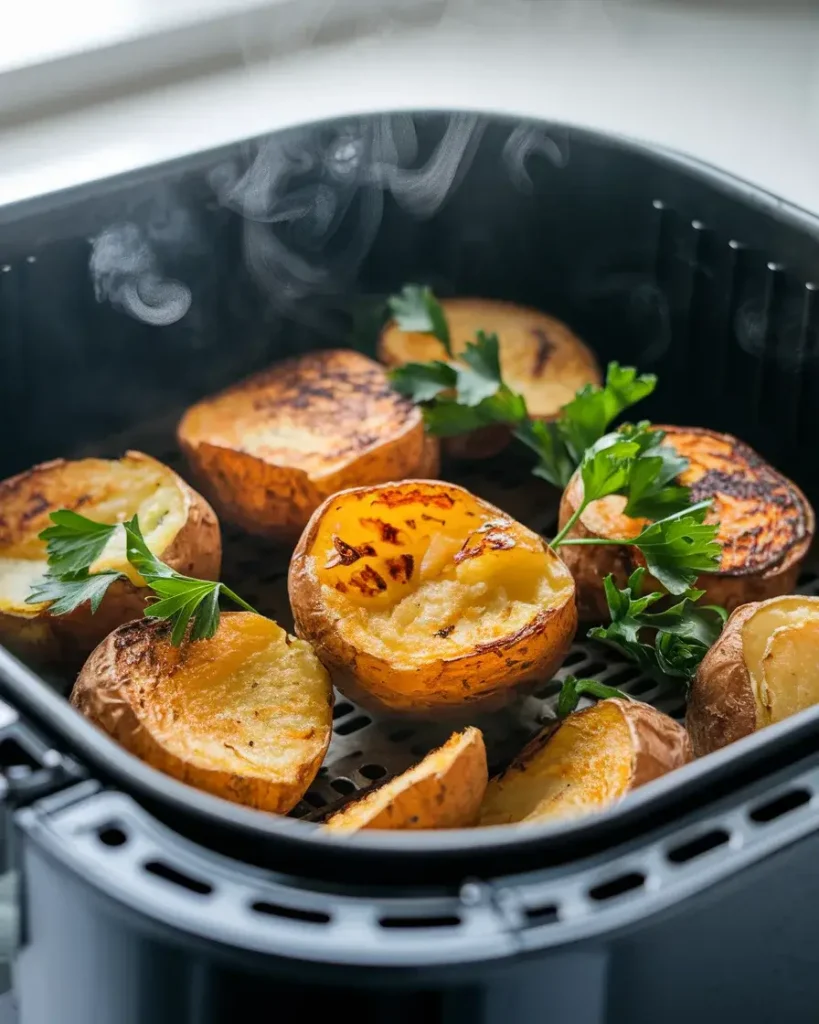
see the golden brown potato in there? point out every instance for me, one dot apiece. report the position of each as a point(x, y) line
point(246, 715)
point(762, 669)
point(418, 596)
point(442, 791)
point(586, 762)
point(268, 451)
point(541, 358)
point(178, 524)
point(766, 526)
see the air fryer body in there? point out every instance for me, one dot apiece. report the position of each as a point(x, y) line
point(123, 302)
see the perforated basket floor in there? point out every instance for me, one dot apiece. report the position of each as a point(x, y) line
point(366, 749)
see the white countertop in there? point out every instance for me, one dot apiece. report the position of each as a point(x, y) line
point(729, 82)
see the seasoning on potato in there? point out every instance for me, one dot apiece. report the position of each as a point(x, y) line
point(444, 790)
point(419, 596)
point(766, 525)
point(586, 762)
point(763, 668)
point(541, 359)
point(178, 523)
point(269, 450)
point(246, 715)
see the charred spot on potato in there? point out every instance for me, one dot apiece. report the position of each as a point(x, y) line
point(445, 632)
point(401, 568)
point(397, 496)
point(544, 349)
point(346, 554)
point(411, 524)
point(368, 581)
point(432, 519)
point(389, 533)
point(495, 539)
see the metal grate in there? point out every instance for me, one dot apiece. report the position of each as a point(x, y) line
point(367, 749)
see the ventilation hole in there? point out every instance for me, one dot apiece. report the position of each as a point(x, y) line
point(13, 755)
point(343, 786)
point(594, 668)
point(622, 676)
point(784, 804)
point(618, 886)
point(444, 921)
point(373, 771)
point(550, 689)
point(638, 687)
point(401, 734)
point(273, 577)
point(419, 749)
point(676, 710)
point(315, 799)
point(323, 771)
point(807, 579)
point(575, 657)
point(156, 867)
point(110, 835)
point(542, 915)
point(697, 847)
point(353, 725)
point(341, 709)
point(291, 913)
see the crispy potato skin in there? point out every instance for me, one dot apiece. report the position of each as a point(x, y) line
point(721, 705)
point(540, 357)
point(488, 673)
point(444, 790)
point(64, 641)
point(767, 525)
point(136, 663)
point(269, 450)
point(660, 744)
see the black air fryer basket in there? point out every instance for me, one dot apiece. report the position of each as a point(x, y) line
point(142, 901)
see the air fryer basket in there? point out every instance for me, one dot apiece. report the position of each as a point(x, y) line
point(122, 302)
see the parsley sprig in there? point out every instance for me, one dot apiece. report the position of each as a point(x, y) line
point(670, 642)
point(74, 543)
point(573, 689)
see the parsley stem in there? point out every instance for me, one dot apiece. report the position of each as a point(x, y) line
point(237, 600)
point(628, 542)
point(578, 512)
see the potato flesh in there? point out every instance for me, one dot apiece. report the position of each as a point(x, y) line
point(252, 701)
point(780, 644)
point(432, 576)
point(585, 765)
point(113, 491)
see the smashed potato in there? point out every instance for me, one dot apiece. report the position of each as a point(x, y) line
point(444, 790)
point(541, 358)
point(246, 715)
point(766, 525)
point(269, 450)
point(586, 762)
point(178, 524)
point(419, 596)
point(762, 669)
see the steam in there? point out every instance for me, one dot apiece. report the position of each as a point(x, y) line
point(313, 200)
point(125, 273)
point(523, 142)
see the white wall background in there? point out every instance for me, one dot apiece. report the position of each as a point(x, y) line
point(135, 81)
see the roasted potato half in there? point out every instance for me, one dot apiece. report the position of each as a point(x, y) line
point(268, 451)
point(419, 596)
point(541, 358)
point(246, 715)
point(178, 524)
point(763, 668)
point(766, 525)
point(586, 762)
point(444, 790)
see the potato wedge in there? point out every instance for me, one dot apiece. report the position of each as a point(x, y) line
point(766, 525)
point(762, 669)
point(418, 596)
point(540, 357)
point(444, 790)
point(587, 762)
point(246, 715)
point(268, 451)
point(178, 525)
